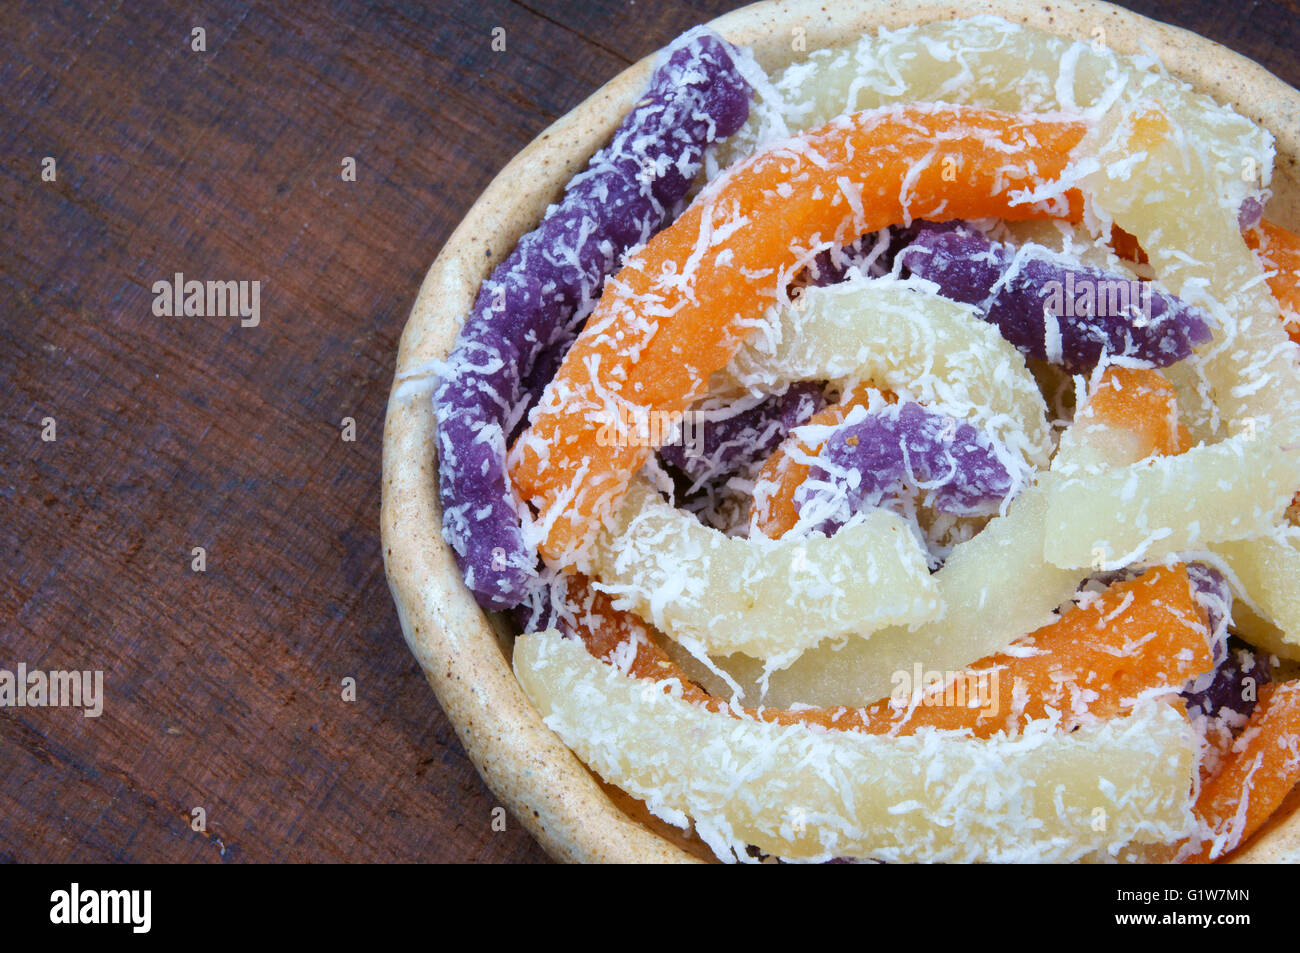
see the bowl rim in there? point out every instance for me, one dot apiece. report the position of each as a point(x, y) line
point(463, 651)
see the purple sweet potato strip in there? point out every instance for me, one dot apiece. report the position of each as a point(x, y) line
point(1070, 316)
point(1227, 683)
point(873, 254)
point(1251, 212)
point(733, 444)
point(959, 465)
point(1234, 660)
point(1213, 593)
point(529, 308)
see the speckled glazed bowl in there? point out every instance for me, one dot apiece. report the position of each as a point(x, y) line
point(464, 651)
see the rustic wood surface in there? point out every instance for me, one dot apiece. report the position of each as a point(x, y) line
point(224, 687)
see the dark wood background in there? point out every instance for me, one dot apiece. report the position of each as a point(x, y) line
point(224, 687)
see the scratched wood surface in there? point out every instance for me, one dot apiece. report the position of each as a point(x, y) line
point(224, 688)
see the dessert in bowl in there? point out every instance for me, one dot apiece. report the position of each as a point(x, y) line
point(844, 437)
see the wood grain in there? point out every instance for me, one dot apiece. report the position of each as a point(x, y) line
point(224, 687)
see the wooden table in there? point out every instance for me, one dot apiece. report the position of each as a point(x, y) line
point(224, 689)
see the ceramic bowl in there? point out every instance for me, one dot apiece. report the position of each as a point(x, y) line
point(465, 652)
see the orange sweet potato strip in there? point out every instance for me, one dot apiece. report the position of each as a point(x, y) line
point(604, 630)
point(1143, 403)
point(1095, 660)
point(1279, 251)
point(680, 307)
point(1257, 776)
